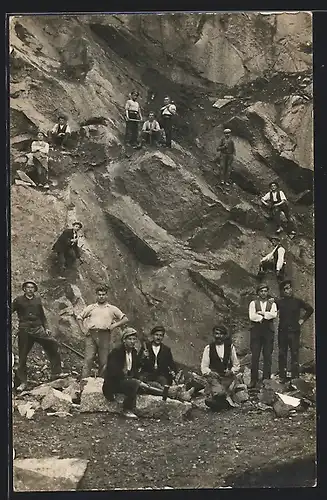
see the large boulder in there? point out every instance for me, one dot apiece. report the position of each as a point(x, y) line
point(154, 407)
point(48, 474)
point(57, 401)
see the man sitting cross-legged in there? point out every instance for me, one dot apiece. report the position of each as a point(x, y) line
point(220, 366)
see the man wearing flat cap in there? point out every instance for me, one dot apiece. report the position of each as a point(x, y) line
point(220, 365)
point(289, 328)
point(158, 364)
point(262, 312)
point(226, 149)
point(33, 327)
point(66, 247)
point(274, 260)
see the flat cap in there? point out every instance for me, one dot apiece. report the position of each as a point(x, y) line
point(261, 287)
point(158, 329)
point(221, 328)
point(128, 332)
point(227, 131)
point(30, 282)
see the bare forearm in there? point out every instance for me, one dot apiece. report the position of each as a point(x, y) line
point(122, 322)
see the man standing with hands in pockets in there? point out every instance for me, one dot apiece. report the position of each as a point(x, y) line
point(96, 322)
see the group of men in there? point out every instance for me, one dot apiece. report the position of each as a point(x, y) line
point(152, 369)
point(152, 129)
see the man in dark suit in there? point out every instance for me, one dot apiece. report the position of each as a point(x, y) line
point(66, 246)
point(157, 360)
point(121, 375)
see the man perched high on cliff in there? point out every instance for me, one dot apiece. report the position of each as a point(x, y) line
point(226, 149)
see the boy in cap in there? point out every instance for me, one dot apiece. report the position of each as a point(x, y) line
point(226, 148)
point(97, 321)
point(167, 113)
point(133, 116)
point(262, 312)
point(66, 247)
point(60, 133)
point(289, 328)
point(33, 327)
point(276, 202)
point(274, 260)
point(220, 366)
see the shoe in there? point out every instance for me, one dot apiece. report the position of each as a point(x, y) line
point(55, 376)
point(279, 230)
point(22, 387)
point(129, 414)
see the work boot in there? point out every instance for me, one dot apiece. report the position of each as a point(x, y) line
point(129, 414)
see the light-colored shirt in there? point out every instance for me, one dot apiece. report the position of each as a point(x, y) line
point(266, 197)
point(132, 105)
point(154, 125)
point(57, 129)
point(156, 349)
point(205, 370)
point(257, 318)
point(40, 146)
point(128, 361)
point(168, 109)
point(100, 316)
point(280, 257)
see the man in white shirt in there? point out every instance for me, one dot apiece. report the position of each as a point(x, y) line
point(274, 260)
point(96, 322)
point(133, 116)
point(167, 113)
point(39, 158)
point(262, 312)
point(60, 133)
point(151, 130)
point(275, 200)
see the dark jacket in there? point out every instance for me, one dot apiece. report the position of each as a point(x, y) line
point(114, 372)
point(226, 146)
point(64, 243)
point(216, 364)
point(165, 361)
point(289, 309)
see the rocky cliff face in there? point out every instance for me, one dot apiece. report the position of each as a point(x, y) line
point(173, 247)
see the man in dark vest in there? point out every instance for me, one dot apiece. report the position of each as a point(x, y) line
point(289, 328)
point(60, 133)
point(220, 365)
point(158, 364)
point(226, 149)
point(274, 260)
point(66, 247)
point(276, 202)
point(167, 113)
point(262, 312)
point(33, 327)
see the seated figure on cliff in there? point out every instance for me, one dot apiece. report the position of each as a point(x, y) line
point(274, 260)
point(38, 158)
point(276, 202)
point(220, 368)
point(151, 130)
point(61, 132)
point(66, 247)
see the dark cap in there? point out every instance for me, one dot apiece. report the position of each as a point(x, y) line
point(222, 329)
point(30, 282)
point(158, 329)
point(79, 224)
point(284, 283)
point(260, 287)
point(274, 237)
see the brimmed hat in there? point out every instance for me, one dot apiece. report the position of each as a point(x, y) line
point(79, 223)
point(128, 332)
point(30, 282)
point(227, 131)
point(260, 287)
point(284, 283)
point(221, 328)
point(158, 329)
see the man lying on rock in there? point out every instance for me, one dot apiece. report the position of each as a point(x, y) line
point(220, 368)
point(33, 327)
point(122, 372)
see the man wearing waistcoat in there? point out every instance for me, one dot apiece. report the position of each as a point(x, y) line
point(60, 133)
point(289, 328)
point(276, 202)
point(158, 364)
point(274, 260)
point(219, 365)
point(262, 312)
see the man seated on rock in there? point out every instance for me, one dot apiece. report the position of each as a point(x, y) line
point(97, 321)
point(220, 367)
point(61, 132)
point(33, 327)
point(66, 247)
point(151, 130)
point(39, 158)
point(276, 202)
point(289, 328)
point(274, 260)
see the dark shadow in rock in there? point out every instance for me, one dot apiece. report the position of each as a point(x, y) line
point(213, 236)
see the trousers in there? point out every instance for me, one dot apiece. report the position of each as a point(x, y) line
point(131, 134)
point(167, 125)
point(96, 342)
point(152, 137)
point(288, 341)
point(261, 339)
point(226, 161)
point(270, 266)
point(128, 386)
point(275, 213)
point(27, 336)
point(153, 377)
point(40, 163)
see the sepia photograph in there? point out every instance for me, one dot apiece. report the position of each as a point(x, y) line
point(162, 251)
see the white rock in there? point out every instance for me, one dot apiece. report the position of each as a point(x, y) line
point(57, 401)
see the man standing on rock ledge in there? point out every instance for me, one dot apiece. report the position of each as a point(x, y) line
point(262, 312)
point(96, 322)
point(167, 113)
point(226, 148)
point(33, 327)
